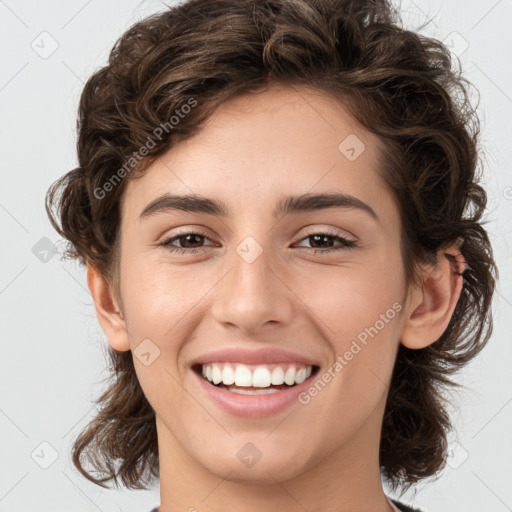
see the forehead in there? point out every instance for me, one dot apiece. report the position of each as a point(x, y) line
point(256, 148)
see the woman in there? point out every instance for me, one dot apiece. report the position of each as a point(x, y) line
point(278, 207)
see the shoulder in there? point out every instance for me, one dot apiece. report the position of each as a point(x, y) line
point(402, 507)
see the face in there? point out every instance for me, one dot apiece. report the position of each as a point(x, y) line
point(269, 325)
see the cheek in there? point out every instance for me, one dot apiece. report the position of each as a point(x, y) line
point(347, 300)
point(363, 320)
point(156, 296)
point(358, 309)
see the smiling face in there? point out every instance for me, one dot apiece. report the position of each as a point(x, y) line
point(248, 287)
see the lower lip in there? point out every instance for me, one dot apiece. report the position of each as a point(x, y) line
point(252, 406)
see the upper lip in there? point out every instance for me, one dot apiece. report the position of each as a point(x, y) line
point(257, 356)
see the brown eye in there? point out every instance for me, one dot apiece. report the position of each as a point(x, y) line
point(189, 242)
point(319, 240)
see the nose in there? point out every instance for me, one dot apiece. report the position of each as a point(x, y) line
point(254, 292)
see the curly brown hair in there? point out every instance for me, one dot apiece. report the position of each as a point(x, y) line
point(398, 84)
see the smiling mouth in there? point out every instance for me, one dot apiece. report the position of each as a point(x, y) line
point(261, 379)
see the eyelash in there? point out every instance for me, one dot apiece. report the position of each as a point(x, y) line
point(345, 243)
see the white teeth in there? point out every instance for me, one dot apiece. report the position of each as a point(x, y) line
point(259, 377)
point(243, 376)
point(300, 376)
point(216, 375)
point(289, 376)
point(262, 391)
point(228, 375)
point(277, 376)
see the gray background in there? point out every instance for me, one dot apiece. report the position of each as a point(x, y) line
point(52, 349)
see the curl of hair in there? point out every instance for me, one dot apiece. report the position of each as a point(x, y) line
point(396, 83)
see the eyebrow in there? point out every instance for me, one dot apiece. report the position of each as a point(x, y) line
point(290, 204)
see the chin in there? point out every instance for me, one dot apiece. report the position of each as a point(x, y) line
point(249, 465)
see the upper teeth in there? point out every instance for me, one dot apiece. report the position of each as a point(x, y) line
point(256, 376)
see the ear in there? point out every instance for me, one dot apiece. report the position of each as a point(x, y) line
point(107, 309)
point(430, 306)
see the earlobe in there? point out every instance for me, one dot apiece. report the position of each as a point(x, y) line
point(430, 306)
point(107, 310)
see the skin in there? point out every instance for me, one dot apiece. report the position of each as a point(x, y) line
point(252, 151)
